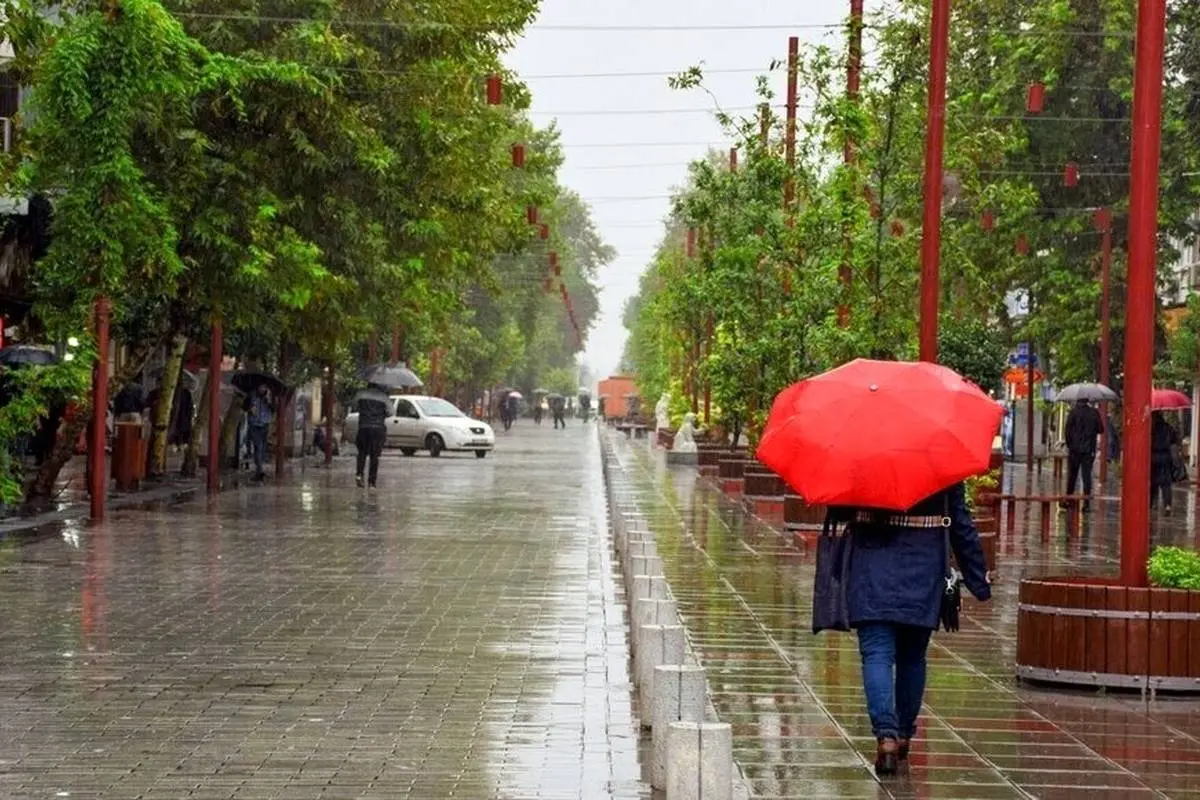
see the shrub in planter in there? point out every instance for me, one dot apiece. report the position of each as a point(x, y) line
point(1174, 568)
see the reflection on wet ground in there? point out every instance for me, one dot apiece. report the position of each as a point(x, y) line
point(795, 702)
point(459, 633)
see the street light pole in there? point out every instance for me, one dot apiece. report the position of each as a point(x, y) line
point(1139, 320)
point(935, 134)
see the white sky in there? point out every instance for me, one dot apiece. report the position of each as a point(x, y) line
point(599, 174)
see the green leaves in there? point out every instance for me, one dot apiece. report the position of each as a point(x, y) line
point(1174, 568)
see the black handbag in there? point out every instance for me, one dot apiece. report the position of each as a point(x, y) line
point(835, 547)
point(948, 615)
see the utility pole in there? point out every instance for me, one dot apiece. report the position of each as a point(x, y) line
point(935, 134)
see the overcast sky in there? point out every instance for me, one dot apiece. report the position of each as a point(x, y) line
point(628, 186)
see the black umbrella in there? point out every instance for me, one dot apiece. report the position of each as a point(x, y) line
point(374, 395)
point(1095, 392)
point(388, 376)
point(23, 355)
point(188, 379)
point(248, 382)
point(555, 396)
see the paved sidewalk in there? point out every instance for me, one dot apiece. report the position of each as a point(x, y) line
point(457, 633)
point(795, 701)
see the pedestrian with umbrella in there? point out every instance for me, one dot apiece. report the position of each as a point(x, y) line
point(539, 405)
point(1165, 441)
point(1084, 427)
point(558, 409)
point(262, 391)
point(886, 446)
point(373, 406)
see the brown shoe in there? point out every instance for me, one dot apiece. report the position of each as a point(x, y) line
point(886, 757)
point(902, 748)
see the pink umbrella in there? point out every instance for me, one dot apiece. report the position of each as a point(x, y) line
point(1169, 400)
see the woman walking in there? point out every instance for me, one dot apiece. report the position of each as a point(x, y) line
point(1164, 446)
point(899, 565)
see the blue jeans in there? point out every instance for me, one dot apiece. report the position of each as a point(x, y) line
point(257, 434)
point(893, 667)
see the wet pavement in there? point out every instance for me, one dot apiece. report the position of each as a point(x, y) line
point(458, 633)
point(794, 700)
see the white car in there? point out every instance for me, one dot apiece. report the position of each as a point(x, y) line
point(416, 422)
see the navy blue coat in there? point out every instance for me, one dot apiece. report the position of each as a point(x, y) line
point(898, 574)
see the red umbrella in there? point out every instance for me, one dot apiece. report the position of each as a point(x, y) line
point(879, 434)
point(1169, 400)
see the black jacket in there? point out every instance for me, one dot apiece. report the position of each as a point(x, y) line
point(1083, 426)
point(372, 414)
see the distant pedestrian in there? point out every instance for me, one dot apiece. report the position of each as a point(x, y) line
point(585, 405)
point(1164, 447)
point(512, 405)
point(259, 408)
point(558, 407)
point(373, 410)
point(1114, 440)
point(129, 404)
point(539, 409)
point(1084, 427)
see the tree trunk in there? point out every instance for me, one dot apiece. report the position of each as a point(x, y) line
point(64, 448)
point(161, 419)
point(191, 458)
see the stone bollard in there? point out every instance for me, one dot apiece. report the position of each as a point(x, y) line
point(658, 645)
point(647, 587)
point(642, 560)
point(700, 761)
point(679, 696)
point(655, 611)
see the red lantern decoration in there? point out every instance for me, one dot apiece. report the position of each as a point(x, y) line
point(518, 155)
point(876, 211)
point(1102, 219)
point(1035, 98)
point(897, 228)
point(531, 214)
point(690, 247)
point(554, 260)
point(548, 284)
point(1071, 175)
point(1022, 245)
point(544, 232)
point(495, 90)
point(987, 221)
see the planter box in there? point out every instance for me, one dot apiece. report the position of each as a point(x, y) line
point(729, 467)
point(666, 437)
point(708, 455)
point(988, 528)
point(1094, 632)
point(763, 484)
point(799, 515)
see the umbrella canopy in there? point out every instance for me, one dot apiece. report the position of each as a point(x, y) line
point(388, 376)
point(1094, 392)
point(541, 391)
point(879, 434)
point(372, 394)
point(516, 394)
point(1169, 400)
point(249, 382)
point(631, 396)
point(23, 355)
point(554, 396)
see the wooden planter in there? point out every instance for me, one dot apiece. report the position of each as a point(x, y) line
point(1094, 632)
point(763, 484)
point(988, 528)
point(666, 437)
point(799, 515)
point(731, 467)
point(707, 455)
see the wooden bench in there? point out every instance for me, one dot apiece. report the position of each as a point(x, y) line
point(1072, 502)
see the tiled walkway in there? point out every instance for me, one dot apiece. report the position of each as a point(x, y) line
point(795, 702)
point(456, 634)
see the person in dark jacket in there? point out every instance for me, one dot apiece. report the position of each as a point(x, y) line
point(897, 579)
point(1084, 427)
point(372, 434)
point(558, 409)
point(1164, 443)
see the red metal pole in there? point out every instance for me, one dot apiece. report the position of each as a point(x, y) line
point(1141, 302)
point(789, 186)
point(215, 356)
point(1030, 407)
point(935, 133)
point(853, 81)
point(96, 461)
point(1105, 341)
point(373, 348)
